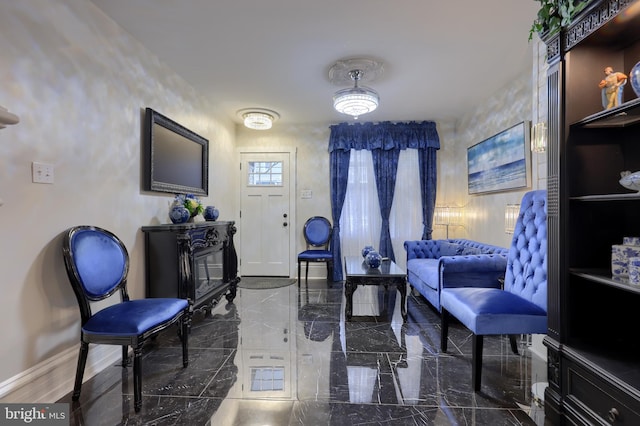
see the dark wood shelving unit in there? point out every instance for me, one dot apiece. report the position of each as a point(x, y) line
point(593, 353)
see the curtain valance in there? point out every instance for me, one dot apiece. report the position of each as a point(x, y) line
point(385, 135)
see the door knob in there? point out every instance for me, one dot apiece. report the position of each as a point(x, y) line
point(284, 215)
point(285, 224)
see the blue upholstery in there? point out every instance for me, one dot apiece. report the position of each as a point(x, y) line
point(436, 264)
point(97, 264)
point(317, 235)
point(100, 263)
point(519, 308)
point(134, 317)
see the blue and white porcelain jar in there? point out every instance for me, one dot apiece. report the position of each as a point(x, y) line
point(179, 214)
point(366, 251)
point(374, 259)
point(211, 213)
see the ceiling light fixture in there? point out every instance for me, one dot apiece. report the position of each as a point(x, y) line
point(356, 100)
point(258, 118)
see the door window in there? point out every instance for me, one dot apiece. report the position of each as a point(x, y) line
point(264, 173)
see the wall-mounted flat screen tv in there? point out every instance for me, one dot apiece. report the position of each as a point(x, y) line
point(176, 159)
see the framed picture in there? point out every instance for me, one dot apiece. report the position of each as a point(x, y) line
point(501, 162)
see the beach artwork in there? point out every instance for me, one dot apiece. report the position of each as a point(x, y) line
point(501, 162)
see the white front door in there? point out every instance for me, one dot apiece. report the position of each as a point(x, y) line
point(265, 213)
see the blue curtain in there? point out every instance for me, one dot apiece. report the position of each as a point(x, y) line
point(428, 183)
point(387, 139)
point(385, 167)
point(338, 175)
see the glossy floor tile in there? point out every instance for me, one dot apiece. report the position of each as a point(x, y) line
point(284, 356)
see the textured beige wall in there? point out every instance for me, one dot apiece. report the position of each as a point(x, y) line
point(484, 213)
point(79, 85)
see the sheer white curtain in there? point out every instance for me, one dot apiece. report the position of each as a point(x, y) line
point(405, 221)
point(360, 222)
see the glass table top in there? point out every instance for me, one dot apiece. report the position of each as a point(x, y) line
point(356, 266)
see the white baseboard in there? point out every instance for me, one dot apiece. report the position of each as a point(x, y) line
point(53, 378)
point(316, 271)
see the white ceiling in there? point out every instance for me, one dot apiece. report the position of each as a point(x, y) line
point(440, 58)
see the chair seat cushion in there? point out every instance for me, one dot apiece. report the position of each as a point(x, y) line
point(494, 311)
point(315, 255)
point(134, 317)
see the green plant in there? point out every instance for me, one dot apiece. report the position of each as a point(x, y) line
point(191, 202)
point(554, 15)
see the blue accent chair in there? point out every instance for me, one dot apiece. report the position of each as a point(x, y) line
point(317, 234)
point(519, 308)
point(97, 263)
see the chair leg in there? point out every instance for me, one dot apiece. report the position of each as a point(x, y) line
point(444, 329)
point(476, 366)
point(330, 272)
point(299, 264)
point(514, 343)
point(186, 321)
point(125, 356)
point(306, 274)
point(137, 377)
point(82, 361)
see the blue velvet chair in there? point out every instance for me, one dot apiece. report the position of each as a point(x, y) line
point(317, 234)
point(519, 308)
point(97, 263)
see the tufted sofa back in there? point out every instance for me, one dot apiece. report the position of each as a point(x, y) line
point(434, 249)
point(526, 273)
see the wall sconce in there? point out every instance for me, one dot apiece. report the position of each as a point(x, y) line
point(539, 137)
point(7, 118)
point(511, 213)
point(447, 216)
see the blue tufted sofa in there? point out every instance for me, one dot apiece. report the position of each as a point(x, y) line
point(436, 264)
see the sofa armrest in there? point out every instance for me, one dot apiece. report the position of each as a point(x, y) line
point(481, 270)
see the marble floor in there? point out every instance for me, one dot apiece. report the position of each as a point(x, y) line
point(284, 356)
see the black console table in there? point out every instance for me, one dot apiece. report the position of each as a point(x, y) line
point(195, 261)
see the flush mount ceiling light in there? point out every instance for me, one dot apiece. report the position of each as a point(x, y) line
point(258, 118)
point(356, 100)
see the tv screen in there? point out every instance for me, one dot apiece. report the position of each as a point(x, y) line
point(176, 159)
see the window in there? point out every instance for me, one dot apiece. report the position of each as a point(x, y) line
point(267, 379)
point(265, 173)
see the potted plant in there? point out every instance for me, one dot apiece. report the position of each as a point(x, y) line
point(554, 15)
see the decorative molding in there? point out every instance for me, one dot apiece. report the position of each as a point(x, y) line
point(586, 23)
point(553, 367)
point(592, 20)
point(371, 69)
point(54, 377)
point(553, 49)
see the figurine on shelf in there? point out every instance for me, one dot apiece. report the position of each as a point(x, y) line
point(611, 87)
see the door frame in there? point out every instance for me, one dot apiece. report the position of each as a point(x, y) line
point(292, 153)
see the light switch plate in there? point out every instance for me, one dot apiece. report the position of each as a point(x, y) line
point(42, 172)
